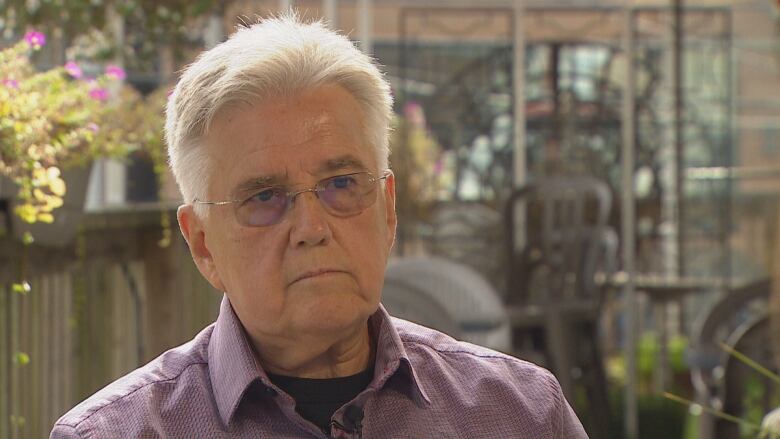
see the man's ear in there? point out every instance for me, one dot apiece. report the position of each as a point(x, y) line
point(392, 219)
point(192, 228)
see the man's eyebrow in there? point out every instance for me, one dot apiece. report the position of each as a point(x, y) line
point(258, 182)
point(342, 163)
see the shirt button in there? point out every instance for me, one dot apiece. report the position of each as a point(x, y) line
point(270, 392)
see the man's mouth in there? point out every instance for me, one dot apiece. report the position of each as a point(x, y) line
point(317, 273)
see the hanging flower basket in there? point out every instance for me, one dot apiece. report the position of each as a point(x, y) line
point(65, 219)
point(53, 124)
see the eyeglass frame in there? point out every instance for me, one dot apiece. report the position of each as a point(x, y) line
point(292, 195)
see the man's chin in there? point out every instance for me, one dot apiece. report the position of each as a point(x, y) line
point(333, 313)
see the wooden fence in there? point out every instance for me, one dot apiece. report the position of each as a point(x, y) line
point(111, 301)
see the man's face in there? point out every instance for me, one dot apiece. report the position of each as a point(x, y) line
point(312, 273)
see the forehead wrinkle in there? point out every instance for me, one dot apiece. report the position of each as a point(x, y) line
point(316, 130)
point(318, 127)
point(346, 161)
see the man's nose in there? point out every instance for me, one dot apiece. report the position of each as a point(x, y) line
point(310, 225)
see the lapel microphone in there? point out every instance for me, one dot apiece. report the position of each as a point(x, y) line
point(353, 421)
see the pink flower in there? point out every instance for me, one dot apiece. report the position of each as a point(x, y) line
point(98, 94)
point(92, 126)
point(438, 166)
point(11, 83)
point(115, 72)
point(35, 39)
point(415, 114)
point(73, 69)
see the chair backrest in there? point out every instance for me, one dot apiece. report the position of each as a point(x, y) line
point(469, 233)
point(566, 237)
point(440, 294)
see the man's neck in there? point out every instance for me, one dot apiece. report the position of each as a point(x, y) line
point(319, 358)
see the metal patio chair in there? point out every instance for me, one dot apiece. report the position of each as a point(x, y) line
point(553, 298)
point(739, 319)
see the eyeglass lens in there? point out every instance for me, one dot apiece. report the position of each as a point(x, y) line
point(342, 195)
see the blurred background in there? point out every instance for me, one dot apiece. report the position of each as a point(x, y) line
point(590, 185)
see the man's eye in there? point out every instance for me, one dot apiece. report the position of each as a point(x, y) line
point(265, 195)
point(343, 182)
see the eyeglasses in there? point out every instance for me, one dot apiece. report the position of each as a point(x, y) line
point(341, 195)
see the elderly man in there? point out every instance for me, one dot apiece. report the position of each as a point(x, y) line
point(278, 139)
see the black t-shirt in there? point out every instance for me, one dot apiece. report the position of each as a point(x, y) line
point(317, 399)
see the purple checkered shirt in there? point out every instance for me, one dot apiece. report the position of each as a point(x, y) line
point(425, 385)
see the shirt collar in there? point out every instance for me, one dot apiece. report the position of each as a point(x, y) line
point(391, 356)
point(233, 366)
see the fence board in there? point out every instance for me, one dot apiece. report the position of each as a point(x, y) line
point(5, 362)
point(14, 370)
point(79, 322)
point(46, 347)
point(36, 354)
point(67, 321)
point(119, 310)
point(23, 344)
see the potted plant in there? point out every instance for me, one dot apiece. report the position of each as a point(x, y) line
point(53, 124)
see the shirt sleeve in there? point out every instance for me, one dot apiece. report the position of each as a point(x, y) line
point(566, 423)
point(61, 431)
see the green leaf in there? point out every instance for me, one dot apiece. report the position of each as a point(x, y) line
point(27, 238)
point(76, 117)
point(26, 212)
point(18, 421)
point(22, 287)
point(21, 358)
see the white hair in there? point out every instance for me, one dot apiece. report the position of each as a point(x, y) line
point(276, 57)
